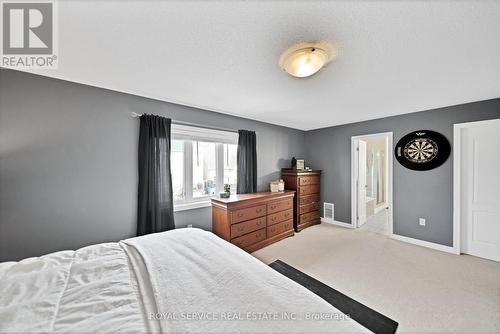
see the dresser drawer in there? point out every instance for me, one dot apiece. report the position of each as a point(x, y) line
point(279, 228)
point(309, 216)
point(279, 217)
point(308, 180)
point(250, 238)
point(247, 227)
point(309, 207)
point(308, 190)
point(279, 206)
point(303, 200)
point(248, 213)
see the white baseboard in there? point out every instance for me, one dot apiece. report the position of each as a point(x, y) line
point(380, 208)
point(423, 243)
point(398, 237)
point(334, 222)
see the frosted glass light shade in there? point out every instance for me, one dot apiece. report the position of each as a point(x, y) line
point(304, 62)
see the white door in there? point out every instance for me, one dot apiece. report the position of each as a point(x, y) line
point(362, 186)
point(480, 194)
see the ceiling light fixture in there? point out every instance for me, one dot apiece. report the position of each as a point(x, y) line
point(305, 59)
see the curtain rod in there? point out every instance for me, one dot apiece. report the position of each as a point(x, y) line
point(134, 114)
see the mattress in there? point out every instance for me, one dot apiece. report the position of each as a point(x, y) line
point(181, 281)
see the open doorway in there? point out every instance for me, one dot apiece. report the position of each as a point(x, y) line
point(371, 183)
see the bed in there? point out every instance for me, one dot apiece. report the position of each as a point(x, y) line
point(181, 281)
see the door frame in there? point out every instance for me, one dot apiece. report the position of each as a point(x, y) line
point(457, 182)
point(389, 176)
point(358, 182)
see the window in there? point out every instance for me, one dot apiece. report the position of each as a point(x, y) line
point(230, 166)
point(177, 169)
point(202, 162)
point(204, 169)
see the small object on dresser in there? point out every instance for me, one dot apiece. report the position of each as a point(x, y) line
point(227, 191)
point(300, 164)
point(281, 185)
point(277, 186)
point(273, 187)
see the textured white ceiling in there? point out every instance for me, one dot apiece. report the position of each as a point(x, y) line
point(394, 57)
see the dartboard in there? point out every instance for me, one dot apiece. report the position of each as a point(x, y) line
point(422, 150)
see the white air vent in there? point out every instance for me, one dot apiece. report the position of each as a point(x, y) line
point(328, 211)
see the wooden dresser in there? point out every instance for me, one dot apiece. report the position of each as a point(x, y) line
point(255, 220)
point(306, 205)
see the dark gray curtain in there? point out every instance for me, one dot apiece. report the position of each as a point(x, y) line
point(155, 211)
point(247, 162)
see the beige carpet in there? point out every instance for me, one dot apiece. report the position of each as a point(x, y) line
point(426, 291)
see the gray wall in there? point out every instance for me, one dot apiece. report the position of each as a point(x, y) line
point(416, 194)
point(68, 162)
point(68, 155)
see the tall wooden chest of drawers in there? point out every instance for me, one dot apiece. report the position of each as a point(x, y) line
point(255, 220)
point(306, 206)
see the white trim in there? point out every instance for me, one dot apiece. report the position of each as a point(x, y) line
point(457, 186)
point(354, 168)
point(187, 132)
point(192, 205)
point(334, 222)
point(390, 173)
point(457, 190)
point(423, 243)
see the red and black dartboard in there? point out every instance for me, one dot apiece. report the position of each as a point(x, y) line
point(422, 150)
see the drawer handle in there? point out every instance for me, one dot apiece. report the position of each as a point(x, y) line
point(273, 207)
point(240, 228)
point(273, 229)
point(240, 215)
point(273, 219)
point(287, 214)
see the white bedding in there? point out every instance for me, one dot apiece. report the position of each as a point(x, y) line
point(181, 281)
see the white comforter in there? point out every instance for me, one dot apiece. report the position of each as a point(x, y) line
point(182, 281)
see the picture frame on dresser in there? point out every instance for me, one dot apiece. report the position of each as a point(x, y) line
point(306, 204)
